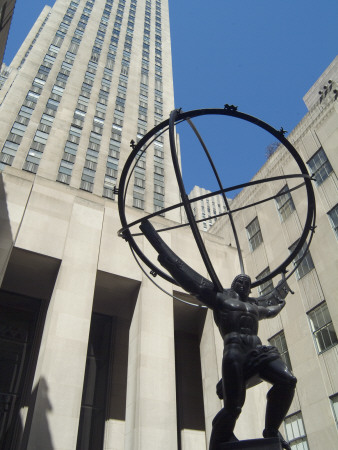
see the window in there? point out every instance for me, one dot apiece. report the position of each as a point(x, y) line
point(52, 104)
point(279, 341)
point(38, 82)
point(333, 216)
point(320, 166)
point(295, 432)
point(34, 156)
point(46, 119)
point(41, 136)
point(71, 147)
point(109, 182)
point(57, 90)
point(138, 203)
point(285, 205)
point(18, 128)
point(266, 287)
point(254, 234)
point(66, 167)
point(306, 265)
point(334, 405)
point(322, 328)
point(158, 170)
point(48, 59)
point(32, 96)
point(25, 112)
point(10, 148)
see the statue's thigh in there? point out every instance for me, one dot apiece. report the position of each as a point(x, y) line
point(277, 372)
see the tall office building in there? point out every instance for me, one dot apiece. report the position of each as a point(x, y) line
point(90, 77)
point(206, 209)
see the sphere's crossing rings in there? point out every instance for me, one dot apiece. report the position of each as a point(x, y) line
point(182, 116)
point(211, 194)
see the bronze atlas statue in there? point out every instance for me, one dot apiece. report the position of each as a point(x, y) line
point(245, 360)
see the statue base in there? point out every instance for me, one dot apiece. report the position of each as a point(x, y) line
point(252, 444)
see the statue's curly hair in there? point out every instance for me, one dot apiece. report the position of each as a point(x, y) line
point(238, 277)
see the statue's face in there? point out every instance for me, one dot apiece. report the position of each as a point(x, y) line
point(242, 285)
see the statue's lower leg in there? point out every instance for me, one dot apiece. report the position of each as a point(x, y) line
point(223, 427)
point(279, 400)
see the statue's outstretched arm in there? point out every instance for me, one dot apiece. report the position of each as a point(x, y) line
point(185, 276)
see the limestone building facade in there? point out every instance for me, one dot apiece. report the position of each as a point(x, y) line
point(306, 330)
point(95, 355)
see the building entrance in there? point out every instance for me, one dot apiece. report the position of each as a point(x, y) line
point(18, 321)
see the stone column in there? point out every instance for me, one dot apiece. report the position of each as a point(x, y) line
point(14, 195)
point(151, 396)
point(62, 358)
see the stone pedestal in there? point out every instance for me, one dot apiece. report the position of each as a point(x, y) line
point(253, 444)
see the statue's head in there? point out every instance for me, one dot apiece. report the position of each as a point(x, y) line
point(242, 285)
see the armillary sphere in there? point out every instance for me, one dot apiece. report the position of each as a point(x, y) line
point(176, 117)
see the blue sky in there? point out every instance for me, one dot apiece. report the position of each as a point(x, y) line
point(260, 55)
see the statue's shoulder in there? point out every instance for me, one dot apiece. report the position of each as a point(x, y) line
point(226, 296)
point(228, 293)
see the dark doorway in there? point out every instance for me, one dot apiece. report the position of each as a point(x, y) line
point(93, 406)
point(188, 324)
point(18, 331)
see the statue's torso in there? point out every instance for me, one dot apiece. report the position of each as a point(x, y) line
point(235, 316)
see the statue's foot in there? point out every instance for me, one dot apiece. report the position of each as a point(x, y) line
point(272, 433)
point(233, 438)
point(215, 444)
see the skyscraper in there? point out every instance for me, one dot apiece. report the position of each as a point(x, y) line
point(89, 78)
point(205, 210)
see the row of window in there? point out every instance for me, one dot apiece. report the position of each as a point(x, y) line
point(325, 337)
point(35, 154)
point(33, 41)
point(42, 133)
point(75, 130)
point(89, 169)
point(320, 168)
point(295, 431)
point(110, 180)
point(158, 115)
point(140, 169)
point(20, 125)
point(322, 329)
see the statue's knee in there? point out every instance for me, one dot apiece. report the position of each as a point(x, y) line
point(233, 411)
point(237, 411)
point(290, 380)
point(293, 381)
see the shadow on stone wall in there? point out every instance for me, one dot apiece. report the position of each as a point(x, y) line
point(43, 438)
point(6, 238)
